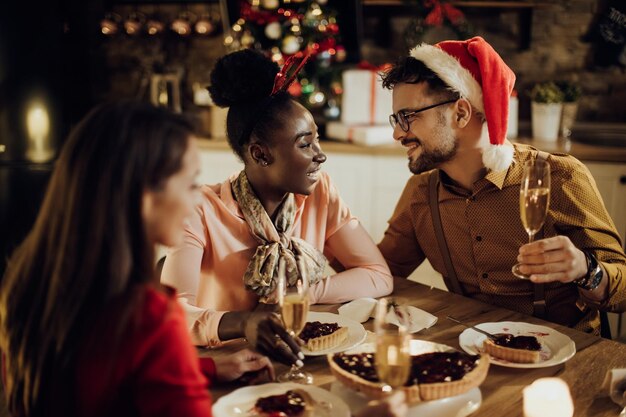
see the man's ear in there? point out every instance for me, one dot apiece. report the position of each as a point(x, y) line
point(462, 113)
point(260, 154)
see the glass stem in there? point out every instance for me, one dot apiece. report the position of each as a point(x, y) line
point(531, 236)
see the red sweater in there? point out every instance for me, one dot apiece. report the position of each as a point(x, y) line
point(156, 371)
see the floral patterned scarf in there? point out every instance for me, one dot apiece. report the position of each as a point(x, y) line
point(262, 271)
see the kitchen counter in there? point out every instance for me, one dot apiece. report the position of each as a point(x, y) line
point(582, 151)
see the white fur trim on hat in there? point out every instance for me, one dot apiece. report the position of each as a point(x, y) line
point(451, 72)
point(495, 157)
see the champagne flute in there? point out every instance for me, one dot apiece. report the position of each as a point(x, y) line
point(393, 356)
point(534, 201)
point(294, 307)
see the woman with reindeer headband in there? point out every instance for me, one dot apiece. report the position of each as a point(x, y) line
point(280, 207)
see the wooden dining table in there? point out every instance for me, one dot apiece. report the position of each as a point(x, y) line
point(502, 389)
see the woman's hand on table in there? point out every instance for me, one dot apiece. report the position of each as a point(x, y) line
point(392, 406)
point(264, 331)
point(245, 364)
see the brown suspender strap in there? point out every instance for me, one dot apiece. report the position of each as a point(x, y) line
point(451, 280)
point(539, 296)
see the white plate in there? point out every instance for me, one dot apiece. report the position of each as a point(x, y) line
point(460, 406)
point(356, 332)
point(556, 347)
point(239, 402)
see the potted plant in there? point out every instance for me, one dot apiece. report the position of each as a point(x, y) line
point(571, 93)
point(546, 105)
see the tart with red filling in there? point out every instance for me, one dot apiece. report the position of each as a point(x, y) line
point(290, 404)
point(519, 349)
point(433, 375)
point(321, 336)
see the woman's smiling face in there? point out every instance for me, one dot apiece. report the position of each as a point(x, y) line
point(296, 153)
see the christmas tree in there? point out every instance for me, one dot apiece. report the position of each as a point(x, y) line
point(281, 28)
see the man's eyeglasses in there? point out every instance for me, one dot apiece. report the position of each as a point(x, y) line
point(402, 117)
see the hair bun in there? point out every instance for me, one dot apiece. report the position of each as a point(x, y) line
point(242, 76)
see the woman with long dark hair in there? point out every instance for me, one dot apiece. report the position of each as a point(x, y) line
point(85, 327)
point(281, 207)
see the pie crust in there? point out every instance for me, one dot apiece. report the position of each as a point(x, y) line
point(510, 354)
point(325, 341)
point(417, 392)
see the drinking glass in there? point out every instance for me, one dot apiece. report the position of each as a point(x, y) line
point(534, 201)
point(393, 356)
point(294, 307)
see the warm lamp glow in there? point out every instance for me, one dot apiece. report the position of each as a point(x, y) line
point(37, 122)
point(548, 397)
point(38, 131)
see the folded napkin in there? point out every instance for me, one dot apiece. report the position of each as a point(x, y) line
point(363, 308)
point(417, 320)
point(615, 383)
point(359, 310)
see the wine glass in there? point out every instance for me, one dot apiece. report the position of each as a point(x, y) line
point(294, 307)
point(393, 356)
point(534, 200)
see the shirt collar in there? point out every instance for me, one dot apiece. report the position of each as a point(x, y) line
point(502, 178)
point(499, 179)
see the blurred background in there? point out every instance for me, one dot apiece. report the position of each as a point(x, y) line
point(58, 58)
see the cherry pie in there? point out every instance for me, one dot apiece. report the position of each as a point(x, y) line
point(519, 349)
point(289, 404)
point(321, 336)
point(433, 375)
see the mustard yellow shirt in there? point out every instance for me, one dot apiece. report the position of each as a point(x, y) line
point(484, 232)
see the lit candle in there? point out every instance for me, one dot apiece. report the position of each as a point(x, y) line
point(38, 130)
point(548, 397)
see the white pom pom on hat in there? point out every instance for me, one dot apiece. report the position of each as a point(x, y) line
point(467, 67)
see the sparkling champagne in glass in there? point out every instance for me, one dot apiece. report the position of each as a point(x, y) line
point(534, 201)
point(393, 357)
point(294, 307)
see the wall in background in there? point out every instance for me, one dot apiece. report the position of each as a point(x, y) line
point(557, 50)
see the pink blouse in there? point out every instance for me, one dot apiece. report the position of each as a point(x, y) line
point(207, 269)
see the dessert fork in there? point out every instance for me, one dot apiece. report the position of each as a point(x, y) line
point(489, 335)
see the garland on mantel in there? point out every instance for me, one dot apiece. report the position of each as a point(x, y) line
point(436, 14)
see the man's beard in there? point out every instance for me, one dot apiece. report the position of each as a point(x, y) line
point(447, 146)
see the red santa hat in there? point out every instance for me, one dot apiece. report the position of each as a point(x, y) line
point(474, 69)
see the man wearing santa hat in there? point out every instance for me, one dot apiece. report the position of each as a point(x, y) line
point(450, 104)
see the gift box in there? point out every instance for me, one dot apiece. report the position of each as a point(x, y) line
point(364, 100)
point(370, 135)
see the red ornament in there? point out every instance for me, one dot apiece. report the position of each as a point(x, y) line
point(336, 88)
point(260, 17)
point(332, 29)
point(326, 44)
point(295, 89)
